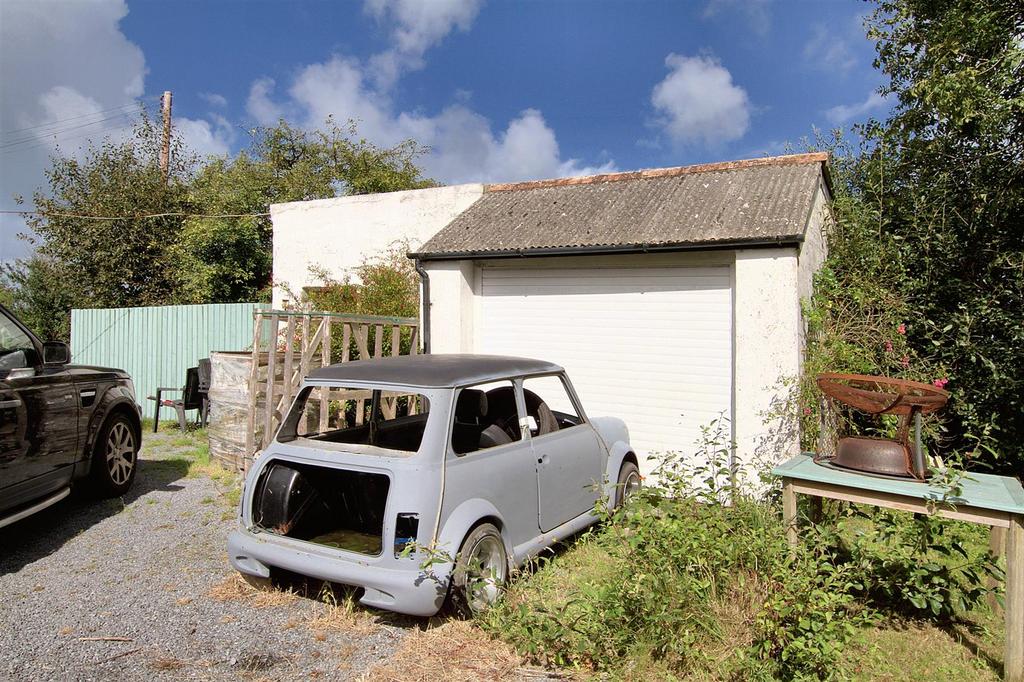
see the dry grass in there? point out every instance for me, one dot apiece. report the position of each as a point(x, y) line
point(234, 588)
point(343, 617)
point(454, 651)
point(167, 663)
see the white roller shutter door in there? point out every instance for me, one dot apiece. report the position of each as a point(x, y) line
point(652, 346)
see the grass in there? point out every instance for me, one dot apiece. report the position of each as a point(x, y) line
point(169, 453)
point(971, 648)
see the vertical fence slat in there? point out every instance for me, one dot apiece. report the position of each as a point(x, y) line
point(268, 412)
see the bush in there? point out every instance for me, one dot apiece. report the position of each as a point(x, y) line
point(695, 578)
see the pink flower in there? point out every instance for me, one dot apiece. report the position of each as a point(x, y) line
point(902, 329)
point(888, 346)
point(905, 360)
point(940, 383)
point(807, 410)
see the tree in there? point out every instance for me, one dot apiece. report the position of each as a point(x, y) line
point(229, 259)
point(115, 262)
point(944, 174)
point(112, 231)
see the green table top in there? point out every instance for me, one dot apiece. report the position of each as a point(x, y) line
point(983, 491)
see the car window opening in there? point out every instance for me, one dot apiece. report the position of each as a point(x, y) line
point(390, 420)
point(485, 417)
point(336, 508)
point(549, 405)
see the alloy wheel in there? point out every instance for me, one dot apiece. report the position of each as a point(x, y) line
point(120, 453)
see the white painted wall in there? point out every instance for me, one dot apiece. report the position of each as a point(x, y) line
point(815, 246)
point(338, 234)
point(766, 352)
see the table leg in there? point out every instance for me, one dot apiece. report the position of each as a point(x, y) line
point(156, 412)
point(789, 511)
point(996, 548)
point(1013, 665)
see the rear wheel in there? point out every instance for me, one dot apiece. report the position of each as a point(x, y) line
point(628, 483)
point(115, 457)
point(481, 571)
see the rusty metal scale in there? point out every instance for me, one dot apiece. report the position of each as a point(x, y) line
point(883, 395)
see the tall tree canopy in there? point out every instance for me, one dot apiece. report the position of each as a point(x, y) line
point(165, 243)
point(931, 217)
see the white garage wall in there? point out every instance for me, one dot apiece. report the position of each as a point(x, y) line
point(767, 355)
point(338, 234)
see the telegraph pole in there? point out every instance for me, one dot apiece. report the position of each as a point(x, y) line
point(165, 146)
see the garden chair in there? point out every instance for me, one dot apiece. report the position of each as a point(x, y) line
point(193, 397)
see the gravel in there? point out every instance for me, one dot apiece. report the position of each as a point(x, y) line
point(141, 569)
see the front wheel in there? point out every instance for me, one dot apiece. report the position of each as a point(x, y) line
point(115, 457)
point(481, 571)
point(628, 483)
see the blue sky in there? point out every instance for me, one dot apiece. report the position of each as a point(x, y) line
point(499, 90)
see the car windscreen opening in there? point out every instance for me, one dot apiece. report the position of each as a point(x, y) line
point(387, 419)
point(336, 508)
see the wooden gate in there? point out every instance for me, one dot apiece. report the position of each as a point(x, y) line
point(287, 344)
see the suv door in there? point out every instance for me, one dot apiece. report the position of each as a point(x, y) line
point(38, 420)
point(569, 452)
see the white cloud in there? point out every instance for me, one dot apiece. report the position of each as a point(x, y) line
point(698, 103)
point(842, 113)
point(69, 75)
point(213, 99)
point(260, 106)
point(416, 27)
point(757, 13)
point(463, 145)
point(206, 138)
point(827, 50)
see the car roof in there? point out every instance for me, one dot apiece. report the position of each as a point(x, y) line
point(433, 371)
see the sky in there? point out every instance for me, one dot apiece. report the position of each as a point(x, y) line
point(498, 90)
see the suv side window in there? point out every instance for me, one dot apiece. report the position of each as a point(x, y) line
point(485, 417)
point(16, 349)
point(549, 407)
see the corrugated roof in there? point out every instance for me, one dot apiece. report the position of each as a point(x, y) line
point(739, 202)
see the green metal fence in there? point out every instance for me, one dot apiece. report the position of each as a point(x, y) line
point(157, 344)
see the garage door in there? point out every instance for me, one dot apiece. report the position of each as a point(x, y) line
point(650, 345)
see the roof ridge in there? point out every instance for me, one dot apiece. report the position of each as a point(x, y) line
point(785, 160)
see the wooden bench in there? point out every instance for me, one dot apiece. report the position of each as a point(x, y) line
point(995, 501)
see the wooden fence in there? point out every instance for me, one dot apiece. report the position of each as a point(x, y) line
point(287, 344)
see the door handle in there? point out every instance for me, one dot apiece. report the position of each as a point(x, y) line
point(8, 404)
point(543, 459)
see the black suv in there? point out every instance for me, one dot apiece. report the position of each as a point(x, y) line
point(59, 424)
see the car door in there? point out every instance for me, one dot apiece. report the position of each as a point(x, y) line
point(568, 451)
point(490, 458)
point(38, 419)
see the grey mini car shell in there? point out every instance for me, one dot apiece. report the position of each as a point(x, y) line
point(451, 494)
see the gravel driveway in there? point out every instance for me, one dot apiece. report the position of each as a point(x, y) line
point(140, 588)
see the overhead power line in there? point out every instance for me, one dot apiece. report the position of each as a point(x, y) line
point(169, 214)
point(36, 137)
point(61, 121)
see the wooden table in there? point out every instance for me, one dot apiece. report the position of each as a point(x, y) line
point(995, 501)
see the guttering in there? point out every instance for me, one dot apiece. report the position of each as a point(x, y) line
point(425, 278)
point(792, 240)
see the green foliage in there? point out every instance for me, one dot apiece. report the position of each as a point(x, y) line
point(388, 284)
point(918, 567)
point(229, 259)
point(689, 585)
point(945, 173)
point(135, 260)
point(693, 578)
point(38, 295)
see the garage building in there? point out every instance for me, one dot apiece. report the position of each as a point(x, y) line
point(671, 296)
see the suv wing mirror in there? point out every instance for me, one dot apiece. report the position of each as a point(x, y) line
point(56, 353)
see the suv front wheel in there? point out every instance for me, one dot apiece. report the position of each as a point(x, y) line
point(115, 457)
